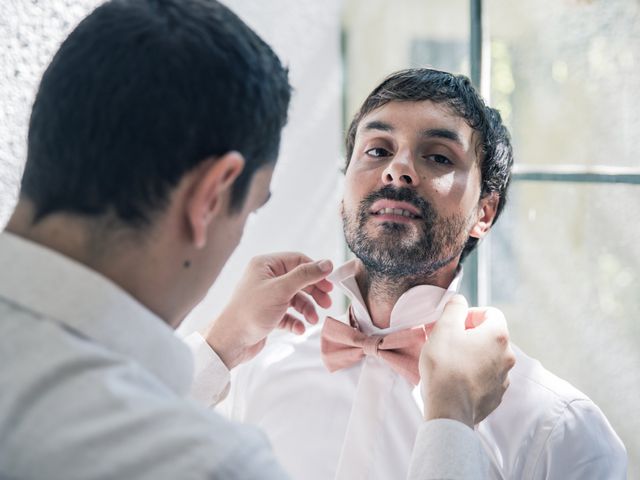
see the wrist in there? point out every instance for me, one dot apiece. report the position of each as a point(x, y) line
point(230, 356)
point(225, 343)
point(456, 407)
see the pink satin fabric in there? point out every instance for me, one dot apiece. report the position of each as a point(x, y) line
point(342, 345)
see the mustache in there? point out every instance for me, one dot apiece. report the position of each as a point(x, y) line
point(403, 194)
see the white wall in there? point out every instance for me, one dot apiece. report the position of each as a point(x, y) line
point(29, 35)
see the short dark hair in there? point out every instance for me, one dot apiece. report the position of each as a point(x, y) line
point(140, 93)
point(458, 94)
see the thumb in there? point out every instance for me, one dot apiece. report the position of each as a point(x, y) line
point(303, 275)
point(455, 313)
point(487, 318)
point(478, 315)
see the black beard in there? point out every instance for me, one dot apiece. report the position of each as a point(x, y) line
point(441, 239)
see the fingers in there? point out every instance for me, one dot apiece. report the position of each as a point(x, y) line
point(494, 400)
point(319, 296)
point(428, 328)
point(505, 385)
point(303, 276)
point(292, 324)
point(302, 304)
point(493, 326)
point(284, 262)
point(478, 315)
point(454, 315)
point(510, 359)
point(475, 317)
point(291, 272)
point(323, 285)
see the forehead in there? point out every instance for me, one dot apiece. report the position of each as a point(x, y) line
point(408, 116)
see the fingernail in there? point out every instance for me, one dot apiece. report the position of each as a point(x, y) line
point(325, 265)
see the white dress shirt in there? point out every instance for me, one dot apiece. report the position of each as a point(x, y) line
point(360, 422)
point(92, 384)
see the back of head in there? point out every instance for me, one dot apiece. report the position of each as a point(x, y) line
point(140, 93)
point(458, 94)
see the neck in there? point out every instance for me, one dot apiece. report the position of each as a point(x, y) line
point(119, 254)
point(381, 293)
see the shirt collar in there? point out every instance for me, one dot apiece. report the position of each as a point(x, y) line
point(419, 305)
point(59, 289)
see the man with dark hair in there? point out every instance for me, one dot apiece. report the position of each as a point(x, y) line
point(153, 136)
point(428, 168)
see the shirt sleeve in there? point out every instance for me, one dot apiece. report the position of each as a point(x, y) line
point(126, 424)
point(581, 445)
point(447, 449)
point(211, 377)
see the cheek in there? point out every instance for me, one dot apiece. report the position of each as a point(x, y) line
point(348, 201)
point(444, 184)
point(233, 232)
point(445, 189)
point(453, 193)
point(353, 193)
point(238, 231)
point(360, 181)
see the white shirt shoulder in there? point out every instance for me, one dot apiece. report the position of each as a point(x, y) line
point(72, 409)
point(545, 428)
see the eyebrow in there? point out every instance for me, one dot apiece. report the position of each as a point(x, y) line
point(430, 133)
point(378, 125)
point(444, 133)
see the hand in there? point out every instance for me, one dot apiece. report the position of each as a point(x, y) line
point(270, 286)
point(465, 362)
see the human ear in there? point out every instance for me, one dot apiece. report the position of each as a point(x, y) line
point(487, 208)
point(211, 192)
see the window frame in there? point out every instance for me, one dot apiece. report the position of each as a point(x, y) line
point(477, 279)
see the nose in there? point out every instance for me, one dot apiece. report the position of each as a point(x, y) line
point(400, 172)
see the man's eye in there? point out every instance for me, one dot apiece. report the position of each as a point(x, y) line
point(439, 159)
point(377, 152)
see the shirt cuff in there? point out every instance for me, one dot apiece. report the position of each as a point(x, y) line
point(448, 449)
point(211, 377)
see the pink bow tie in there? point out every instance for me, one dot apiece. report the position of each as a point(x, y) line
point(343, 345)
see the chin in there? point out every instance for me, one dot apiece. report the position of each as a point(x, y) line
point(393, 227)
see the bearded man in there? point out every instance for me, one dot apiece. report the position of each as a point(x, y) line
point(428, 167)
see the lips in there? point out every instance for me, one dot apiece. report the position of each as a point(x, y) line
point(395, 211)
point(391, 207)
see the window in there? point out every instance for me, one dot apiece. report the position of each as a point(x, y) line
point(563, 260)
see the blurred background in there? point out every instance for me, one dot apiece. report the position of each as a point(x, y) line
point(563, 260)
